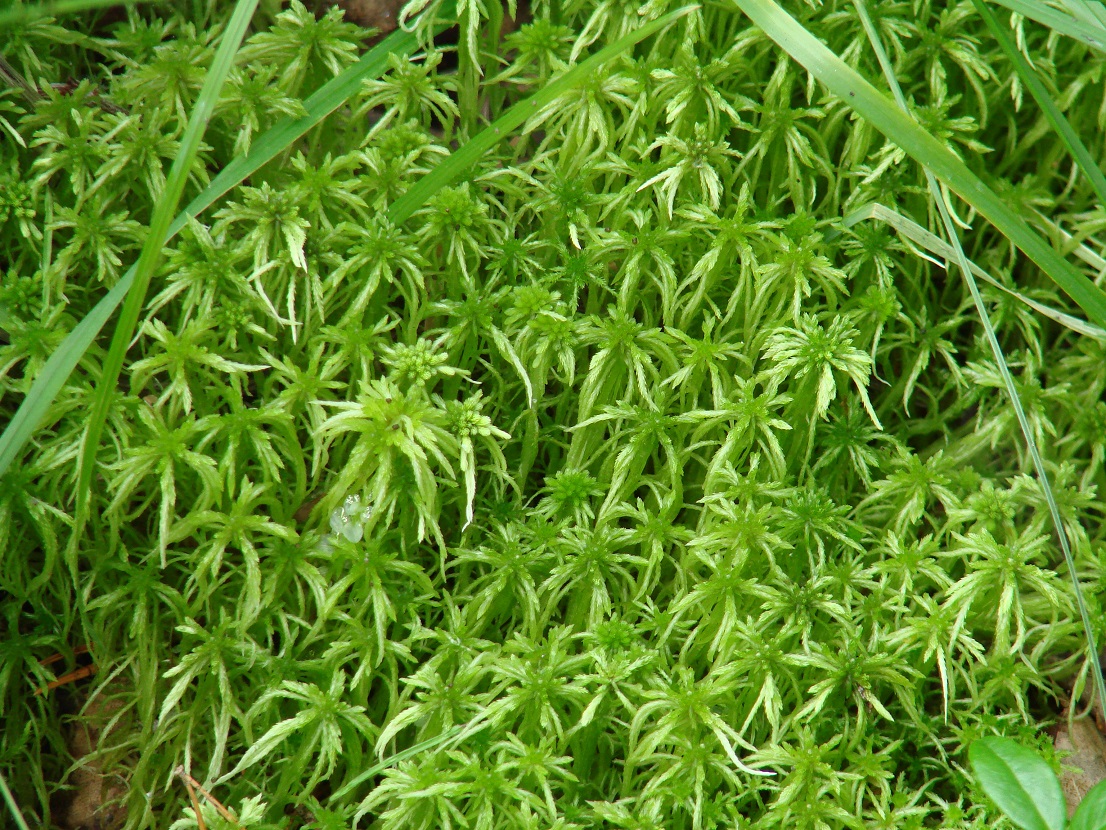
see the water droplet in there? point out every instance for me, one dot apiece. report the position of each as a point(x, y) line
point(349, 519)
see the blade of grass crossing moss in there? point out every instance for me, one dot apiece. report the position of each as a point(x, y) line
point(151, 249)
point(1093, 36)
point(19, 14)
point(12, 77)
point(13, 808)
point(1078, 246)
point(319, 105)
point(874, 107)
point(1052, 112)
point(1034, 451)
point(516, 116)
point(462, 731)
point(451, 736)
point(912, 232)
point(323, 102)
point(1089, 12)
point(1004, 371)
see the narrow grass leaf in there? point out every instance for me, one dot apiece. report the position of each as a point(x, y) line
point(152, 248)
point(13, 78)
point(1075, 146)
point(1090, 13)
point(13, 808)
point(1093, 36)
point(899, 127)
point(321, 103)
point(64, 359)
point(516, 116)
point(1004, 370)
point(1019, 782)
point(943, 252)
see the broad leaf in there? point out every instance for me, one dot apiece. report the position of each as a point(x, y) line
point(1019, 782)
point(1091, 814)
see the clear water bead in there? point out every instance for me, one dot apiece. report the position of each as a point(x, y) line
point(349, 519)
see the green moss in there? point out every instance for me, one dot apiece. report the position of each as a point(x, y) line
point(706, 510)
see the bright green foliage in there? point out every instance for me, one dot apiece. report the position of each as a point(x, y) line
point(1026, 789)
point(708, 511)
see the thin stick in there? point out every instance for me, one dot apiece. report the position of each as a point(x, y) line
point(191, 782)
point(79, 674)
point(53, 658)
point(195, 802)
point(12, 77)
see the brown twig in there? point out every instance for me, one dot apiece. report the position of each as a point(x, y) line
point(195, 801)
point(12, 77)
point(77, 674)
point(193, 785)
point(53, 658)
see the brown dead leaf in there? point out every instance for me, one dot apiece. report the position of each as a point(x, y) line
point(95, 801)
point(1088, 756)
point(370, 14)
point(382, 14)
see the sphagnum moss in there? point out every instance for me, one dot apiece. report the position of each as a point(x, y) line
point(635, 488)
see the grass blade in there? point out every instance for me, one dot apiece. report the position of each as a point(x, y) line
point(915, 233)
point(898, 126)
point(1052, 112)
point(319, 105)
point(1093, 36)
point(1007, 380)
point(455, 734)
point(516, 116)
point(9, 799)
point(152, 248)
point(1090, 12)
